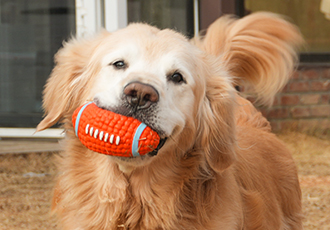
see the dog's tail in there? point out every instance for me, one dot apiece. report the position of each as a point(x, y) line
point(259, 49)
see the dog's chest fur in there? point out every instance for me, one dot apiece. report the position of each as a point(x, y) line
point(151, 197)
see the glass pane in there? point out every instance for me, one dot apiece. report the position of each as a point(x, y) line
point(306, 14)
point(178, 15)
point(30, 34)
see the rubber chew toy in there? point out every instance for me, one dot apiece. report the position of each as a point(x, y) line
point(113, 134)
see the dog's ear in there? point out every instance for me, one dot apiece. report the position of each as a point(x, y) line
point(216, 127)
point(259, 49)
point(65, 84)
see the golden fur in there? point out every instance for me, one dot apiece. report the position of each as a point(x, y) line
point(221, 169)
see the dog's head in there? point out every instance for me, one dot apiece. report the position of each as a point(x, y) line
point(156, 76)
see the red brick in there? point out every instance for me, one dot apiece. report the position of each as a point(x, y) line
point(309, 99)
point(276, 101)
point(289, 100)
point(288, 125)
point(324, 123)
point(320, 111)
point(274, 126)
point(325, 99)
point(320, 85)
point(299, 112)
point(298, 87)
point(277, 113)
point(310, 74)
point(295, 75)
point(314, 125)
point(285, 89)
point(326, 73)
point(264, 112)
point(308, 124)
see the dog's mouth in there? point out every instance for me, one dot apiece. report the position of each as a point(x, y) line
point(146, 116)
point(160, 145)
point(142, 158)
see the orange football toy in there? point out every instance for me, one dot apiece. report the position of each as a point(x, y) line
point(113, 134)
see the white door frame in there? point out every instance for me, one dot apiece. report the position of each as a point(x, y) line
point(92, 16)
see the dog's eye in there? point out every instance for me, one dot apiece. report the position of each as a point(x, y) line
point(176, 78)
point(119, 64)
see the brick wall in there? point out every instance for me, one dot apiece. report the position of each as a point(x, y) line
point(304, 104)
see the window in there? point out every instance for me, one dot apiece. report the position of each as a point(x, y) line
point(32, 31)
point(30, 34)
point(175, 14)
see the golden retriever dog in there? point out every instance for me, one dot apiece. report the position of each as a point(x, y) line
point(220, 166)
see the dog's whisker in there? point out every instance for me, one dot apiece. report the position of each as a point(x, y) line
point(247, 148)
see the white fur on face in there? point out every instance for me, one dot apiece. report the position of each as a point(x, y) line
point(149, 63)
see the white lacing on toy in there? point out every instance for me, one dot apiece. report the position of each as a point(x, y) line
point(101, 135)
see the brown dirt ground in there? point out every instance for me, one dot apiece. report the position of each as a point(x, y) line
point(26, 182)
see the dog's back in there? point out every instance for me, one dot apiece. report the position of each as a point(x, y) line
point(261, 52)
point(266, 173)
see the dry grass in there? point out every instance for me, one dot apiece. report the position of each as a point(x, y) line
point(312, 157)
point(26, 182)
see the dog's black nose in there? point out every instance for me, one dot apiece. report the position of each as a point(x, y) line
point(140, 95)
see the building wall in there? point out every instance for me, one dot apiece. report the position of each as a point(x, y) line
point(304, 104)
